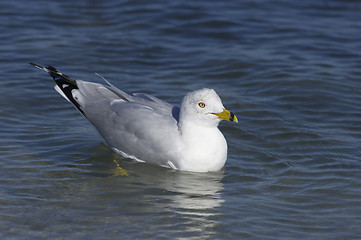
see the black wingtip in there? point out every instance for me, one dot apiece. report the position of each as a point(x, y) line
point(36, 65)
point(65, 83)
point(51, 68)
point(54, 73)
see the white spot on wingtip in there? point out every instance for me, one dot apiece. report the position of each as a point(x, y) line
point(171, 165)
point(57, 88)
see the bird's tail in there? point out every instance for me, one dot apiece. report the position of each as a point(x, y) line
point(64, 84)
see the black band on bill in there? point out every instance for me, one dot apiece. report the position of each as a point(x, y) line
point(231, 117)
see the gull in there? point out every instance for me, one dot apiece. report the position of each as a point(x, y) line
point(148, 129)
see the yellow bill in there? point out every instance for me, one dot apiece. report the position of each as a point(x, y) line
point(227, 115)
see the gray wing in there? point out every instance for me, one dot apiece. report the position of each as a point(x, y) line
point(139, 125)
point(95, 91)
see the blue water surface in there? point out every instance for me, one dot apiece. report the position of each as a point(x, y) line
point(290, 70)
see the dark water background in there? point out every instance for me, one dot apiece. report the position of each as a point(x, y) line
point(290, 70)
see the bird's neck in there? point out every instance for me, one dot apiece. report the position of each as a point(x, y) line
point(205, 148)
point(196, 134)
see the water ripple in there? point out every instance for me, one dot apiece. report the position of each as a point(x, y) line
point(289, 70)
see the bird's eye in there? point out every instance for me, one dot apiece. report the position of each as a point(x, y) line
point(201, 105)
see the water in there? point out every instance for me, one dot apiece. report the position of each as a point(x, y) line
point(290, 70)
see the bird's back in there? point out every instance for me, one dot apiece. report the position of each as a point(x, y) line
point(136, 125)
